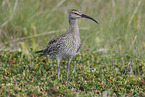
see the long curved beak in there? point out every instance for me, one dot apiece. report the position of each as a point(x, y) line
point(85, 16)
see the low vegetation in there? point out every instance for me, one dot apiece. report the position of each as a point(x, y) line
point(92, 74)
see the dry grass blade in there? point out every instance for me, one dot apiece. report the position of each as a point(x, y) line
point(12, 13)
point(58, 5)
point(37, 35)
point(135, 11)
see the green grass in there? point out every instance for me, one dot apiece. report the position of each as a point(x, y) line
point(117, 70)
point(90, 75)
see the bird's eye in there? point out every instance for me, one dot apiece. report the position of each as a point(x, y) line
point(76, 13)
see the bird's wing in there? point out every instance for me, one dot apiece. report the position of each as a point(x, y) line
point(53, 46)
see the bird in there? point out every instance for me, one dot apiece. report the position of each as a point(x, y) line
point(66, 46)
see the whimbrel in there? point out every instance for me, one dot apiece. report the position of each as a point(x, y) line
point(66, 45)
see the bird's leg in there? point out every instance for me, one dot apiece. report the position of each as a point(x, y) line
point(58, 69)
point(69, 60)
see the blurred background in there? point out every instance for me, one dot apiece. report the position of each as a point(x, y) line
point(26, 24)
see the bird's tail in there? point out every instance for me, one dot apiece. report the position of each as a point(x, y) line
point(41, 53)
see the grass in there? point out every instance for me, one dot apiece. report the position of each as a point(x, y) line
point(91, 75)
point(117, 70)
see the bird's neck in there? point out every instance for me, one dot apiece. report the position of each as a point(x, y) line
point(73, 26)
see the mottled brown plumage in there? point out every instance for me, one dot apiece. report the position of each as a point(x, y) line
point(66, 45)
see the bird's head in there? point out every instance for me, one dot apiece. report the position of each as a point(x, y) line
point(74, 14)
